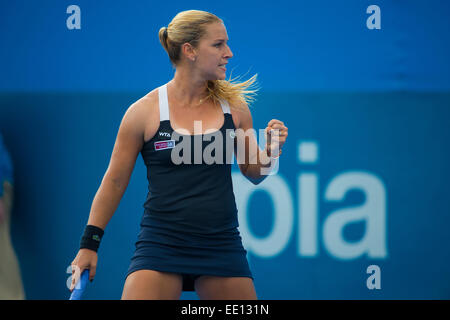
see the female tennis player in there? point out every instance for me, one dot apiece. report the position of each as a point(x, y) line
point(188, 238)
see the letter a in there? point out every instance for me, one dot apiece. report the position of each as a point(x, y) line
point(374, 21)
point(73, 21)
point(374, 281)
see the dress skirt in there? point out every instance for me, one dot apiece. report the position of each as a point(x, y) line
point(190, 255)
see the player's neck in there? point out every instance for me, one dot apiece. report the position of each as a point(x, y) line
point(186, 89)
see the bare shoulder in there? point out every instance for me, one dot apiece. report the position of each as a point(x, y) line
point(145, 114)
point(146, 105)
point(242, 116)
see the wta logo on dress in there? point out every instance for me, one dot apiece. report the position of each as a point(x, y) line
point(164, 134)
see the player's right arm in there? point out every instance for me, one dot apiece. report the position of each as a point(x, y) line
point(128, 144)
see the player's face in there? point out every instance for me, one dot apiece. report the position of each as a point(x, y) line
point(214, 52)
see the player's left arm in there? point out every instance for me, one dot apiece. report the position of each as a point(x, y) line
point(250, 158)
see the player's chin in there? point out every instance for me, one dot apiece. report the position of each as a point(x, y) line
point(221, 75)
point(216, 77)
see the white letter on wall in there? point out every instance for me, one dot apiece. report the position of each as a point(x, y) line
point(281, 232)
point(374, 21)
point(373, 212)
point(73, 21)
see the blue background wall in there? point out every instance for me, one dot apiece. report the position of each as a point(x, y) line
point(374, 103)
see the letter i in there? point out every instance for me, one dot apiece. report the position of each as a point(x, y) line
point(308, 205)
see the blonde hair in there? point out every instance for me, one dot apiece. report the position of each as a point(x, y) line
point(189, 27)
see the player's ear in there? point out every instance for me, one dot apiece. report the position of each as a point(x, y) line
point(189, 51)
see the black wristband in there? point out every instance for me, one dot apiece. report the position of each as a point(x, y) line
point(91, 238)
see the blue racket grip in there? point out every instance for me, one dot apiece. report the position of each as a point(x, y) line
point(79, 288)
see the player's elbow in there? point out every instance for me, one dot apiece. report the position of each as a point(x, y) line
point(256, 181)
point(116, 180)
point(252, 176)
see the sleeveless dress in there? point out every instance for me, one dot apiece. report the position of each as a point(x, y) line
point(190, 224)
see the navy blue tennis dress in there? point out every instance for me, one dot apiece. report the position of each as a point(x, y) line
point(189, 225)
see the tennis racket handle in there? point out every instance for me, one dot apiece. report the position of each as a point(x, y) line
point(79, 289)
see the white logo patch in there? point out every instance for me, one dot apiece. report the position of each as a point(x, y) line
point(164, 134)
